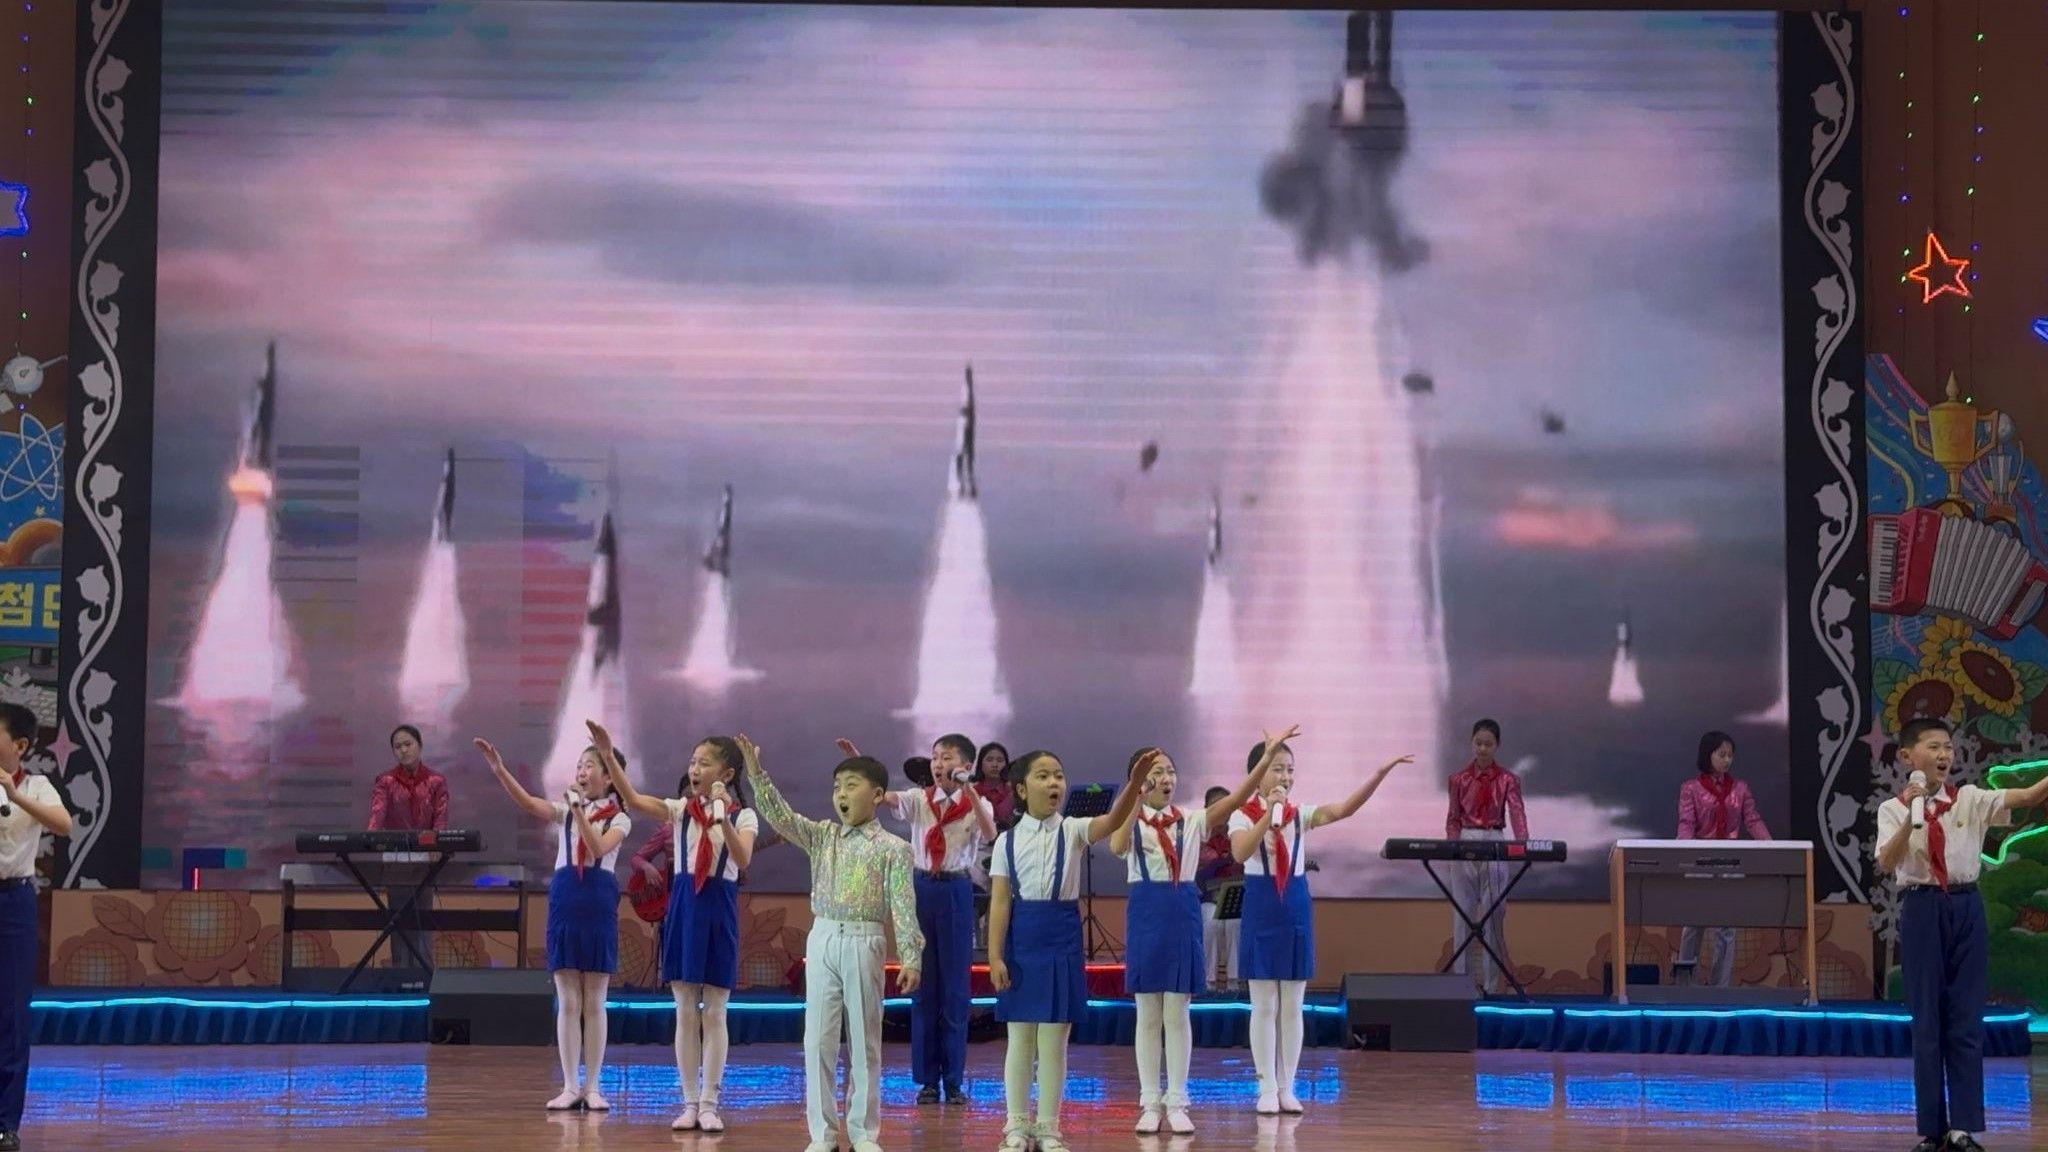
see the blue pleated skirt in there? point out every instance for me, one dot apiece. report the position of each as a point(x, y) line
point(700, 936)
point(1163, 934)
point(583, 920)
point(1048, 984)
point(1278, 938)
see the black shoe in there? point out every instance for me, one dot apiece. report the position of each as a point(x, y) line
point(1963, 1142)
point(956, 1094)
point(1930, 1144)
point(927, 1095)
point(10, 1142)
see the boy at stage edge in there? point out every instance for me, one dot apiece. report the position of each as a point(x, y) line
point(1930, 838)
point(857, 871)
point(29, 806)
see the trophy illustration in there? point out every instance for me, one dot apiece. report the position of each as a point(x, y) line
point(1956, 435)
point(2003, 466)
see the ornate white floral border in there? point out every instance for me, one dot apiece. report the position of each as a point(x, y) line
point(96, 485)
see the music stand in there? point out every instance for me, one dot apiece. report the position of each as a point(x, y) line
point(1086, 804)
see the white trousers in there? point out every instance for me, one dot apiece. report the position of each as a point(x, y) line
point(1724, 954)
point(843, 981)
point(1219, 943)
point(1475, 885)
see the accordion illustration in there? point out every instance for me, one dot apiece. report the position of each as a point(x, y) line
point(1923, 561)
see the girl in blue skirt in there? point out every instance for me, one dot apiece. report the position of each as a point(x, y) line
point(1034, 939)
point(1276, 946)
point(583, 915)
point(700, 937)
point(1163, 959)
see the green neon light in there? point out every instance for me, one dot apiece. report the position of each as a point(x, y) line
point(2006, 845)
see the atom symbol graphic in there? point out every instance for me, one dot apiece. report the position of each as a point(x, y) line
point(36, 462)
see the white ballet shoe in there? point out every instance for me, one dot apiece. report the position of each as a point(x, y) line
point(1290, 1104)
point(1148, 1122)
point(1051, 1142)
point(565, 1101)
point(708, 1118)
point(1269, 1104)
point(595, 1101)
point(1179, 1123)
point(1016, 1138)
point(686, 1121)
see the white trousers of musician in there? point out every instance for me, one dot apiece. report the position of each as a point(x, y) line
point(1219, 941)
point(1724, 954)
point(843, 981)
point(1475, 885)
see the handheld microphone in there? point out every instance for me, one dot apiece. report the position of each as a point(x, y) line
point(1919, 806)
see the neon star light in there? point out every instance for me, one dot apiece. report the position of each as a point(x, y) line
point(1992, 777)
point(13, 209)
point(1950, 277)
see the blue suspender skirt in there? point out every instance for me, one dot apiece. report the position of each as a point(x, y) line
point(700, 936)
point(1163, 931)
point(1048, 984)
point(583, 913)
point(1277, 940)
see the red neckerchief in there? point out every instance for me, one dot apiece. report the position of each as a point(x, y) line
point(700, 861)
point(1490, 810)
point(1937, 838)
point(599, 812)
point(935, 836)
point(1283, 860)
point(20, 774)
point(1168, 817)
point(1721, 786)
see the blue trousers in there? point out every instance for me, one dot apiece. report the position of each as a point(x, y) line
point(1944, 949)
point(938, 1009)
point(18, 947)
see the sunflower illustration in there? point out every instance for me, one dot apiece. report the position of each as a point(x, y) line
point(1941, 638)
point(1986, 676)
point(1926, 693)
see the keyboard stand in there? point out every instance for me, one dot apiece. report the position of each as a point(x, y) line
point(1477, 932)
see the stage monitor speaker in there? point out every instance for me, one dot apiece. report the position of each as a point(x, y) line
point(491, 1006)
point(1411, 1012)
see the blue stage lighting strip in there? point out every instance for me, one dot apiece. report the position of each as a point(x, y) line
point(1731, 1014)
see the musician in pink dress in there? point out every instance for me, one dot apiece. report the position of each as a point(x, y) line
point(1486, 799)
point(414, 798)
point(1714, 805)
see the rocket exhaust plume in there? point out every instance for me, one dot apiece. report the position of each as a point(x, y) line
point(959, 679)
point(1779, 713)
point(1215, 669)
point(241, 654)
point(1624, 684)
point(435, 670)
point(596, 685)
point(712, 663)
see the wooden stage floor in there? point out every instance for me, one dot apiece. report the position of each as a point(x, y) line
point(380, 1098)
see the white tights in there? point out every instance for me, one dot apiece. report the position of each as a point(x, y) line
point(1163, 1016)
point(1048, 1043)
point(700, 1039)
point(1276, 1033)
point(580, 1025)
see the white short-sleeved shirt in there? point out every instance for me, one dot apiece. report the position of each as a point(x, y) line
point(1976, 811)
point(1296, 832)
point(565, 834)
point(1037, 852)
point(20, 835)
point(686, 834)
point(913, 806)
point(1187, 840)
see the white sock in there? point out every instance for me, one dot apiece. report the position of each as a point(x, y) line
point(1180, 1045)
point(1052, 1075)
point(596, 1025)
point(569, 1024)
point(1291, 994)
point(689, 1037)
point(1149, 1036)
point(715, 1040)
point(1265, 1030)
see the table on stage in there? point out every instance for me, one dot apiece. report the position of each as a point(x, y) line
point(1713, 883)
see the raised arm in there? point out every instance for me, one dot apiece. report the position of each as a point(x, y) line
point(1245, 841)
point(1120, 838)
point(725, 829)
point(1219, 813)
point(528, 803)
point(1126, 801)
point(49, 811)
point(630, 798)
point(801, 831)
point(2032, 796)
point(1344, 809)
